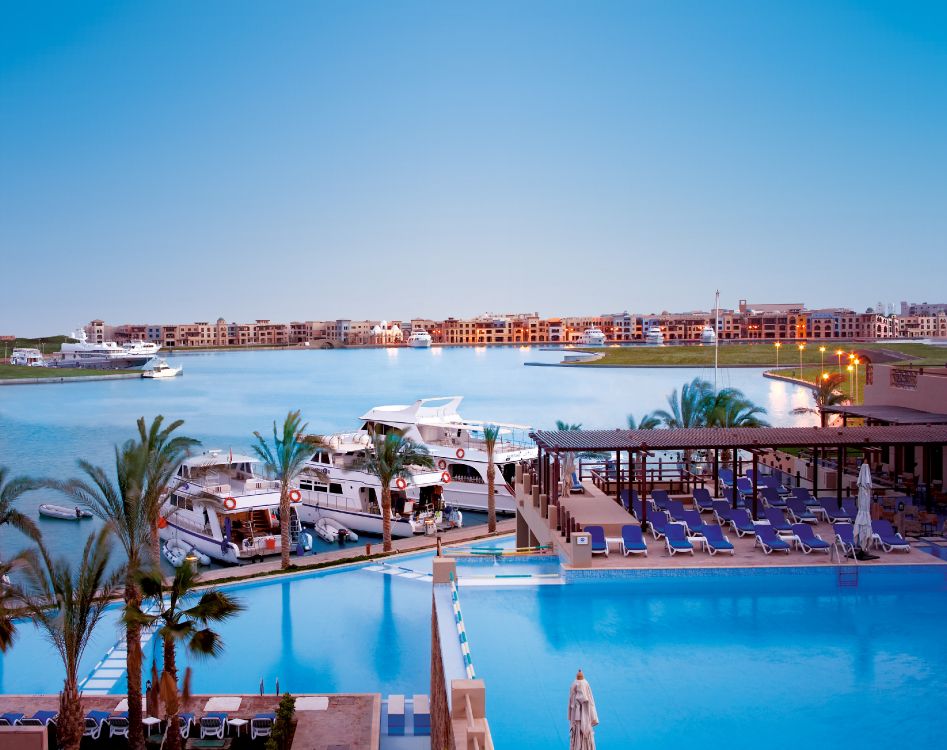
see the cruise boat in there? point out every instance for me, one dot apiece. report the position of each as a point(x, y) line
point(85, 353)
point(457, 446)
point(708, 335)
point(28, 358)
point(162, 369)
point(335, 488)
point(420, 339)
point(654, 335)
point(219, 506)
point(592, 337)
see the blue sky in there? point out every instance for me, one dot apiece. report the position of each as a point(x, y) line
point(165, 162)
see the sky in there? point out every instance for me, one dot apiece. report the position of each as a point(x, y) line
point(180, 161)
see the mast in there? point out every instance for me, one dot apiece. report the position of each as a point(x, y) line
point(716, 335)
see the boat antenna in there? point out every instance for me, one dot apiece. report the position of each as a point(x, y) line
point(716, 335)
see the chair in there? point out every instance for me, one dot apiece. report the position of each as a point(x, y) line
point(261, 725)
point(798, 511)
point(835, 514)
point(576, 484)
point(659, 522)
point(118, 725)
point(845, 537)
point(186, 721)
point(745, 488)
point(808, 540)
point(770, 481)
point(771, 498)
point(11, 719)
point(660, 499)
point(777, 520)
point(803, 494)
point(214, 724)
point(703, 500)
point(850, 507)
point(40, 719)
point(726, 477)
point(599, 545)
point(675, 539)
point(94, 720)
point(722, 511)
point(769, 540)
point(741, 522)
point(889, 539)
point(715, 539)
point(692, 520)
point(632, 541)
point(676, 509)
point(625, 497)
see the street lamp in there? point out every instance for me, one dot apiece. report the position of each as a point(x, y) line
point(851, 379)
point(821, 357)
point(801, 348)
point(839, 353)
point(857, 362)
point(777, 345)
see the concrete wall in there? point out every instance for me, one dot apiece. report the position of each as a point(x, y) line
point(23, 738)
point(929, 394)
point(442, 735)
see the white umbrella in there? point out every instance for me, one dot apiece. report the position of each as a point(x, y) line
point(582, 715)
point(862, 529)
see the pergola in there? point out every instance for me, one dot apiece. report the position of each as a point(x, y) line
point(643, 443)
point(880, 414)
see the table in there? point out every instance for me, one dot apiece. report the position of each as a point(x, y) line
point(151, 722)
point(237, 724)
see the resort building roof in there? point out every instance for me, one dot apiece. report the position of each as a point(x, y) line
point(889, 414)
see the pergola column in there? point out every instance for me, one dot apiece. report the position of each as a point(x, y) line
point(643, 495)
point(838, 475)
point(716, 472)
point(618, 476)
point(756, 479)
point(815, 471)
point(555, 485)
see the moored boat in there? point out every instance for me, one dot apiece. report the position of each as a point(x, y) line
point(419, 339)
point(654, 335)
point(162, 369)
point(64, 512)
point(592, 337)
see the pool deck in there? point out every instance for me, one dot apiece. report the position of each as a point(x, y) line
point(351, 721)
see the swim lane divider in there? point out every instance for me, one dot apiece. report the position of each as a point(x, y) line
point(461, 630)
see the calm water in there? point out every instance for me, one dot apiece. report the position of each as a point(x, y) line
point(224, 397)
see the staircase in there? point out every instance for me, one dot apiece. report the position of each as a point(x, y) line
point(848, 577)
point(294, 527)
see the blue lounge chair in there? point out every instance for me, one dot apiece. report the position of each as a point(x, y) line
point(625, 498)
point(845, 537)
point(576, 484)
point(745, 488)
point(769, 540)
point(599, 545)
point(715, 539)
point(807, 540)
point(703, 500)
point(261, 725)
point(118, 725)
point(10, 719)
point(676, 509)
point(798, 511)
point(771, 498)
point(835, 514)
point(770, 481)
point(692, 520)
point(660, 499)
point(889, 539)
point(777, 520)
point(186, 721)
point(803, 494)
point(675, 539)
point(40, 719)
point(722, 511)
point(214, 724)
point(659, 522)
point(741, 522)
point(850, 507)
point(632, 541)
point(726, 477)
point(94, 720)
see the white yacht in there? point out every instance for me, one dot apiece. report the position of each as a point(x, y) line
point(162, 369)
point(28, 358)
point(335, 488)
point(84, 352)
point(654, 335)
point(218, 506)
point(420, 339)
point(592, 337)
point(457, 447)
point(708, 335)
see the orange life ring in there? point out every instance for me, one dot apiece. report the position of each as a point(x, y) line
point(400, 483)
point(442, 464)
point(162, 522)
point(230, 503)
point(295, 496)
point(460, 453)
point(445, 478)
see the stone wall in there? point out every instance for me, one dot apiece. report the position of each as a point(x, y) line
point(442, 736)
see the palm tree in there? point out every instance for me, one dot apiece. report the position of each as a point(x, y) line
point(688, 409)
point(825, 395)
point(121, 507)
point(490, 434)
point(285, 459)
point(163, 451)
point(391, 458)
point(730, 408)
point(9, 602)
point(68, 604)
point(180, 620)
point(10, 491)
point(648, 422)
point(567, 460)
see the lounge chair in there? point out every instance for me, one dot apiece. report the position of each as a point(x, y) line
point(660, 499)
point(576, 484)
point(93, 723)
point(637, 509)
point(703, 500)
point(745, 488)
point(625, 498)
point(118, 725)
point(803, 494)
point(40, 719)
point(770, 481)
point(185, 722)
point(889, 539)
point(741, 522)
point(632, 541)
point(261, 725)
point(798, 511)
point(11, 719)
point(715, 539)
point(771, 498)
point(807, 540)
point(675, 539)
point(850, 507)
point(726, 477)
point(214, 724)
point(722, 511)
point(835, 514)
point(676, 509)
point(769, 540)
point(658, 522)
point(692, 520)
point(777, 520)
point(599, 545)
point(845, 537)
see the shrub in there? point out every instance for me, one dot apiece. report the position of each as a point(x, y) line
point(283, 726)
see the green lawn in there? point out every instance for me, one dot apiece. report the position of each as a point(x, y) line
point(46, 344)
point(812, 374)
point(15, 372)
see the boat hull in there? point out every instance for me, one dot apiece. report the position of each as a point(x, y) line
point(361, 523)
point(182, 537)
point(474, 497)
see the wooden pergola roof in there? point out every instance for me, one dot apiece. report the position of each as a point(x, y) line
point(888, 413)
point(695, 438)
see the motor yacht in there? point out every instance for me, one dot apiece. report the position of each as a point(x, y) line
point(162, 369)
point(420, 339)
point(84, 353)
point(28, 358)
point(654, 335)
point(708, 335)
point(592, 337)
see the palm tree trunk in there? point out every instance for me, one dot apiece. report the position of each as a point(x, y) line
point(491, 494)
point(284, 526)
point(170, 697)
point(136, 730)
point(70, 724)
point(155, 542)
point(386, 517)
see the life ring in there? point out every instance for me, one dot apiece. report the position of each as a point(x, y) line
point(445, 478)
point(295, 496)
point(442, 464)
point(230, 503)
point(460, 453)
point(162, 522)
point(400, 483)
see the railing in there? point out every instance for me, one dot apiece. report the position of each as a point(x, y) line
point(905, 378)
point(461, 631)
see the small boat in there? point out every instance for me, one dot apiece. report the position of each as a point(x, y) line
point(162, 369)
point(176, 554)
point(708, 335)
point(334, 532)
point(64, 513)
point(592, 337)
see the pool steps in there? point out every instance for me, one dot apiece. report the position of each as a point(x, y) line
point(111, 667)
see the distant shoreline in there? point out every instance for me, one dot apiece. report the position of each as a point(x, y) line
point(59, 380)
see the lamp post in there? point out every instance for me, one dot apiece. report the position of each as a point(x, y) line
point(777, 345)
point(839, 353)
point(851, 380)
point(821, 358)
point(856, 363)
point(801, 348)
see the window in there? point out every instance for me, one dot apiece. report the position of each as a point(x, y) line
point(335, 488)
